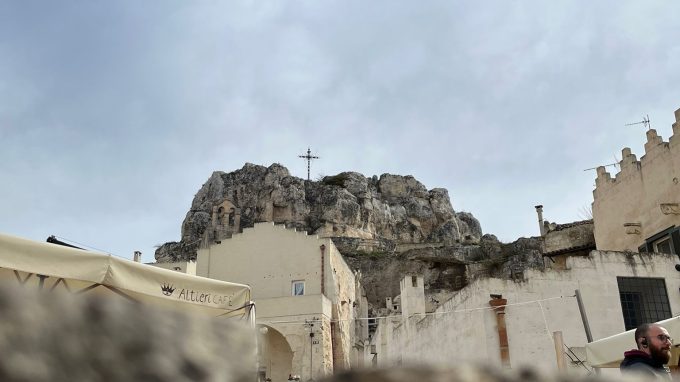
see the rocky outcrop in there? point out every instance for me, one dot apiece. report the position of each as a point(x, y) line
point(445, 269)
point(386, 213)
point(386, 227)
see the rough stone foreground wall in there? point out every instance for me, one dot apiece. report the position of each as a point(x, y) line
point(52, 336)
point(55, 337)
point(467, 373)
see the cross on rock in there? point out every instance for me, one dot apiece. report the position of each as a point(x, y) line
point(309, 158)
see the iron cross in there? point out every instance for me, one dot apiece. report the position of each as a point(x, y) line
point(309, 158)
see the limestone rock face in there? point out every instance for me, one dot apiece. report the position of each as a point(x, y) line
point(445, 269)
point(378, 213)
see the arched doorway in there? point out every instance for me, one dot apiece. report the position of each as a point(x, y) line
point(274, 354)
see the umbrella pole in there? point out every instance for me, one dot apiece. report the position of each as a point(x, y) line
point(559, 353)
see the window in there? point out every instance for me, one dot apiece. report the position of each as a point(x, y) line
point(643, 300)
point(663, 245)
point(666, 241)
point(414, 281)
point(299, 288)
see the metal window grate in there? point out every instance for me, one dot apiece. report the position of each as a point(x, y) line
point(643, 300)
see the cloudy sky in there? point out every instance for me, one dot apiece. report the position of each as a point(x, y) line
point(113, 114)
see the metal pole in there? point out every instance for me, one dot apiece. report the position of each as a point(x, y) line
point(323, 270)
point(559, 344)
point(311, 353)
point(309, 160)
point(584, 318)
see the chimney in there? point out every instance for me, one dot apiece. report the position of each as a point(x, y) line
point(541, 226)
point(498, 304)
point(137, 258)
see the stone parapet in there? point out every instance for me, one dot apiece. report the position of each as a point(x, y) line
point(638, 201)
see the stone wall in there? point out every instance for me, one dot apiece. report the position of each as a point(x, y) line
point(55, 336)
point(360, 245)
point(308, 356)
point(62, 338)
point(270, 258)
point(344, 299)
point(467, 373)
point(567, 238)
point(445, 269)
point(539, 305)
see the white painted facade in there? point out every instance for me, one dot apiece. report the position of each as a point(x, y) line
point(272, 260)
point(464, 329)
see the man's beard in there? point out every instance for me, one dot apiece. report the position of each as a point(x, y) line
point(660, 354)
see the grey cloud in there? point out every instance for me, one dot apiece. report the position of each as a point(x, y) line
point(113, 114)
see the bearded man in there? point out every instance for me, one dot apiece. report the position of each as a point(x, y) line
point(652, 354)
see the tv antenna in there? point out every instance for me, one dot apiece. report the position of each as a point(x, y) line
point(604, 165)
point(645, 121)
point(309, 158)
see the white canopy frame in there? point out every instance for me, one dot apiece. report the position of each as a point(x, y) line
point(51, 267)
point(608, 352)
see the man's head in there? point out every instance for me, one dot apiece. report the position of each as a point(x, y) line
point(655, 341)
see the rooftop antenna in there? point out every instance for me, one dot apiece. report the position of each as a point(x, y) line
point(617, 163)
point(645, 121)
point(309, 158)
point(604, 165)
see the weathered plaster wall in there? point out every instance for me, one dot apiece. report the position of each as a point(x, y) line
point(464, 329)
point(269, 258)
point(311, 356)
point(274, 353)
point(412, 296)
point(344, 297)
point(362, 354)
point(634, 197)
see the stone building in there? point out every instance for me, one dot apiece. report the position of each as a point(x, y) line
point(306, 297)
point(639, 208)
point(619, 291)
point(636, 211)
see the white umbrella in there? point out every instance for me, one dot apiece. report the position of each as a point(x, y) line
point(608, 352)
point(59, 268)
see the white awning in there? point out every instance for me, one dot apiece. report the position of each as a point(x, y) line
point(54, 267)
point(608, 352)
